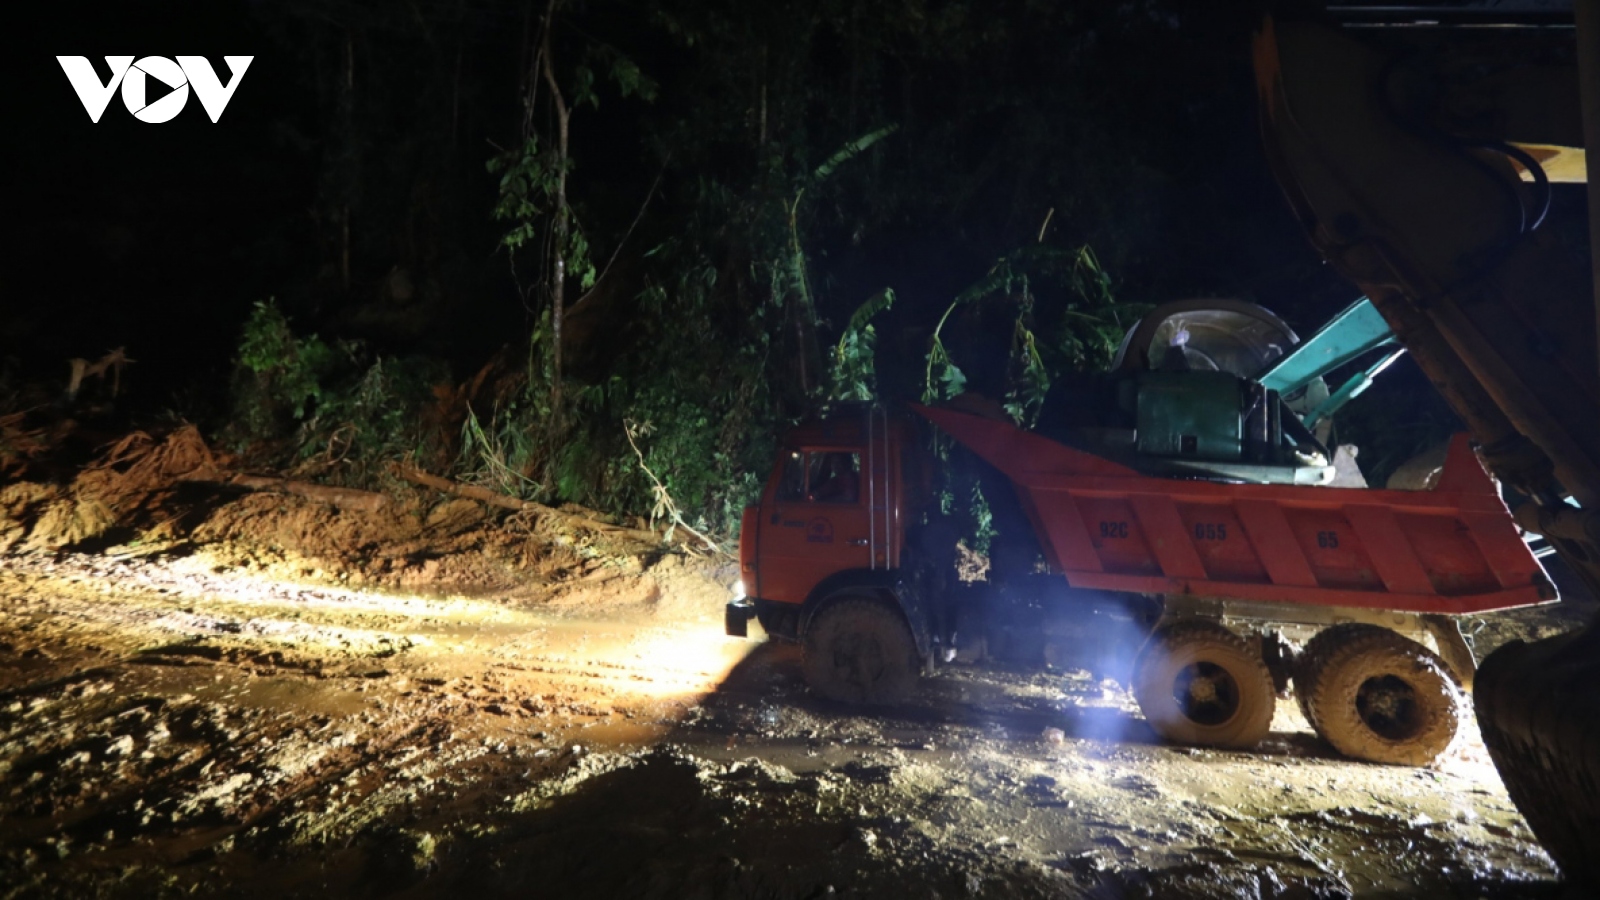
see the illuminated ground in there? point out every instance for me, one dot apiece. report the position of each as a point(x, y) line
point(177, 724)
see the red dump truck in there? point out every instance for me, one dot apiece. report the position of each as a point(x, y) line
point(1207, 587)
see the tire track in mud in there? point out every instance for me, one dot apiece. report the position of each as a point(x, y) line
point(430, 743)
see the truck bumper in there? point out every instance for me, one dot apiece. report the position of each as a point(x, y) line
point(736, 617)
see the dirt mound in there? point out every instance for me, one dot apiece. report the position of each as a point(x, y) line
point(134, 476)
point(28, 509)
point(173, 494)
point(455, 547)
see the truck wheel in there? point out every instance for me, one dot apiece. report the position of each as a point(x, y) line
point(859, 650)
point(1539, 713)
point(1199, 683)
point(1309, 666)
point(1381, 697)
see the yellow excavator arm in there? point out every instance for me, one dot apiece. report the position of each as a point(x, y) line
point(1420, 199)
point(1420, 167)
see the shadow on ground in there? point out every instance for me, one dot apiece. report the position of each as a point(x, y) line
point(767, 792)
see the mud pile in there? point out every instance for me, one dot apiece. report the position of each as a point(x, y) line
point(174, 495)
point(131, 481)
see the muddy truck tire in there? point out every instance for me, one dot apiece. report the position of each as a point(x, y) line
point(1199, 683)
point(1309, 665)
point(1381, 697)
point(1538, 707)
point(860, 650)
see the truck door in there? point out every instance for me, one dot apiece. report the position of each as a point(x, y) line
point(817, 521)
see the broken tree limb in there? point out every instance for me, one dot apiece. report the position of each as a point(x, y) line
point(484, 495)
point(664, 502)
point(344, 498)
point(469, 491)
point(82, 368)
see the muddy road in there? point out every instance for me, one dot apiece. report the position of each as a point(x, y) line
point(181, 724)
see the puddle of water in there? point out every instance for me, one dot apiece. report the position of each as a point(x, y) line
point(294, 695)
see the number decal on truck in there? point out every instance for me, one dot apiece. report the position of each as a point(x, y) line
point(1210, 531)
point(1113, 529)
point(1328, 540)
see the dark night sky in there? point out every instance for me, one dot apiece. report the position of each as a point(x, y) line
point(134, 234)
point(138, 234)
point(158, 237)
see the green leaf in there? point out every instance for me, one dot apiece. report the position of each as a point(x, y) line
point(955, 381)
point(850, 151)
point(583, 90)
point(853, 363)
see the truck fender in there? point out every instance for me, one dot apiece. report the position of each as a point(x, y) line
point(887, 586)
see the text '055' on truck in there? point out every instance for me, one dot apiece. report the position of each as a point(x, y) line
point(1169, 524)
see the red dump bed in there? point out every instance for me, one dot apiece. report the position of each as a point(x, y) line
point(1449, 550)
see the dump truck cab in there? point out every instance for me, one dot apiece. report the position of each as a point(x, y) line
point(832, 521)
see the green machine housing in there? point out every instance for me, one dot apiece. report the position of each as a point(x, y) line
point(1221, 389)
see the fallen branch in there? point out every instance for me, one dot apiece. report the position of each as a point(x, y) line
point(82, 369)
point(344, 498)
point(484, 495)
point(469, 491)
point(664, 503)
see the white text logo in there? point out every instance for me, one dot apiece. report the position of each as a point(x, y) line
point(134, 78)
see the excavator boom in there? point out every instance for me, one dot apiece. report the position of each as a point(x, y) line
point(1418, 171)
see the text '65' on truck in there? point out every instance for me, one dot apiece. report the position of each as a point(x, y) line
point(1169, 526)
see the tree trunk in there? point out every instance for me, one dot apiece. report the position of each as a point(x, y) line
point(344, 498)
point(486, 496)
point(558, 269)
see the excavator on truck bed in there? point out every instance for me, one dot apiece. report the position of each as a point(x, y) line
point(1167, 524)
point(1419, 159)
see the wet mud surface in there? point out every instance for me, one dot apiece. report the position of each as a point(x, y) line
point(190, 724)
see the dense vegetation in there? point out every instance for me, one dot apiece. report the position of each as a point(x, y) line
point(601, 251)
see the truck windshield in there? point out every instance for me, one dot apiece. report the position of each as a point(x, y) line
point(821, 476)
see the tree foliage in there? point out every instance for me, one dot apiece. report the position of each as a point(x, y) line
point(718, 187)
point(854, 374)
point(279, 375)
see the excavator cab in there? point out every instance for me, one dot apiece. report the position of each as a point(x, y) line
point(1185, 397)
point(1224, 390)
point(1211, 335)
